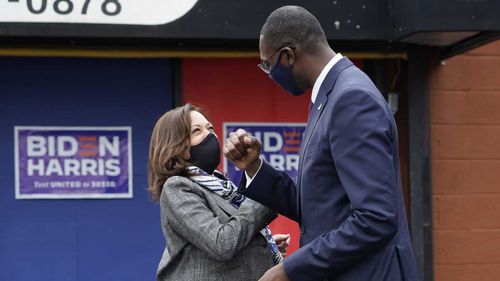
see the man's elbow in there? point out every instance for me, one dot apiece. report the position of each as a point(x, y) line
point(379, 226)
point(388, 227)
point(392, 229)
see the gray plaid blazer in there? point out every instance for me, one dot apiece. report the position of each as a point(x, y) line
point(208, 239)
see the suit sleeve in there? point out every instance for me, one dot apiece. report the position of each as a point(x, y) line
point(361, 147)
point(188, 214)
point(274, 189)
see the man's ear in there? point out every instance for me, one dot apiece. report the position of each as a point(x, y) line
point(290, 55)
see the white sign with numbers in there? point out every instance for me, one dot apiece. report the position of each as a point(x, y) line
point(133, 12)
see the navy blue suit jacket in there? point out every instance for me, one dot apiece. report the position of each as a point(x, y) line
point(348, 197)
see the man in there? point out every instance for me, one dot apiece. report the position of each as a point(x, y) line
point(347, 199)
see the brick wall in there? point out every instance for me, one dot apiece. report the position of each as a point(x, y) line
point(465, 134)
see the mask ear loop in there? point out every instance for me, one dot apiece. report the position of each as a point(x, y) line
point(278, 60)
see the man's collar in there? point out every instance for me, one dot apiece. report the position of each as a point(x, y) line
point(322, 76)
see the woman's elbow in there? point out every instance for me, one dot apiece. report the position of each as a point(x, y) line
point(222, 253)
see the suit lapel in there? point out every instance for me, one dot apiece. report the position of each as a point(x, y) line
point(315, 114)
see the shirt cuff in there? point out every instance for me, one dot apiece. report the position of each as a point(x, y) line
point(249, 179)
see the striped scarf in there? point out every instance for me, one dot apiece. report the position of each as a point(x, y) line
point(226, 189)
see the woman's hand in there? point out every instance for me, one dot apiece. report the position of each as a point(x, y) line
point(282, 240)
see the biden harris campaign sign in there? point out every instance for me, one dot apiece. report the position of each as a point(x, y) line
point(280, 145)
point(73, 162)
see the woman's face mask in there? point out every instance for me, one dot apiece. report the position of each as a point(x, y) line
point(206, 155)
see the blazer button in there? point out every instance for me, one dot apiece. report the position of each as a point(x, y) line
point(302, 230)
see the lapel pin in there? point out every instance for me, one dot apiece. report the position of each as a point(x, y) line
point(319, 107)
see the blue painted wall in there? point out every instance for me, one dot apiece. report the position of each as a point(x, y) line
point(84, 240)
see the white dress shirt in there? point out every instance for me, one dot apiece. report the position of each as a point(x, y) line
point(322, 76)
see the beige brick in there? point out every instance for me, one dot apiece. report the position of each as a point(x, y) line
point(448, 107)
point(483, 107)
point(465, 177)
point(465, 247)
point(452, 107)
point(465, 142)
point(468, 272)
point(468, 212)
point(467, 73)
point(435, 214)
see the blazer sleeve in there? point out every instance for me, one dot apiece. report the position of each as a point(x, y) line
point(361, 146)
point(189, 215)
point(274, 189)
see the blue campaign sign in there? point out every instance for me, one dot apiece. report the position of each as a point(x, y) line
point(73, 162)
point(280, 145)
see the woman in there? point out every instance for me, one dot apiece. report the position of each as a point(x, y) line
point(212, 231)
